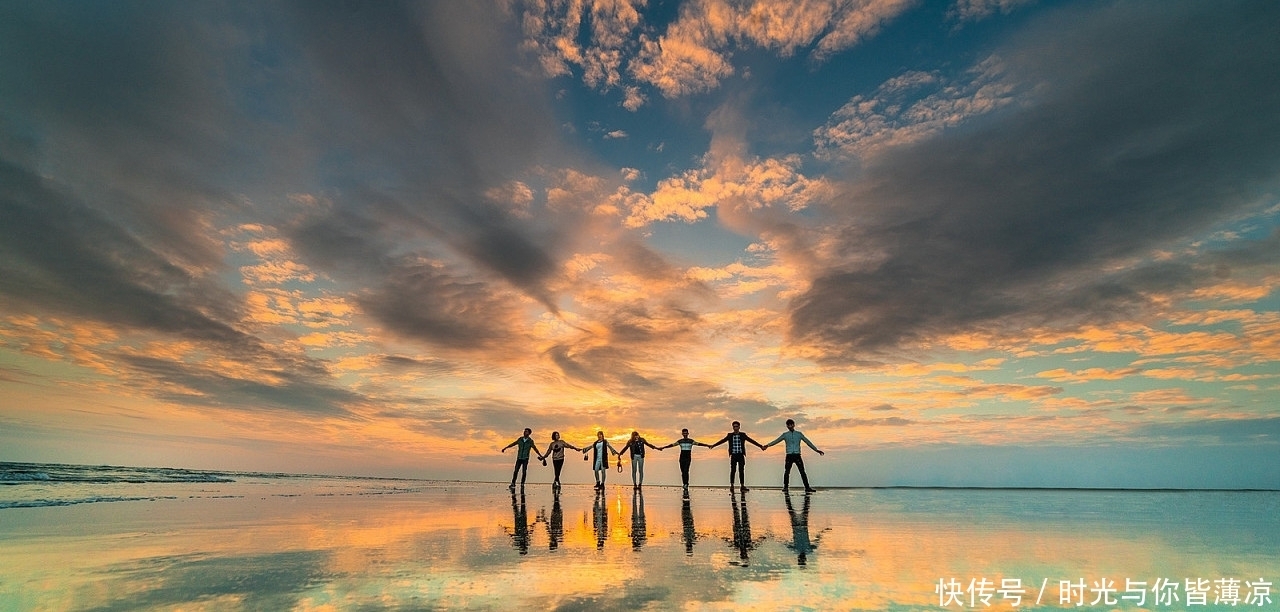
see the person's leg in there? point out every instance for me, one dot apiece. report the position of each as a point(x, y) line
point(635, 467)
point(559, 465)
point(640, 465)
point(515, 472)
point(524, 470)
point(803, 477)
point(738, 462)
point(786, 471)
point(742, 472)
point(685, 460)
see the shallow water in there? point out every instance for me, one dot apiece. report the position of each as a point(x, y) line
point(270, 542)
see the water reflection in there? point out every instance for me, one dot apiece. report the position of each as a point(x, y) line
point(555, 524)
point(459, 547)
point(639, 527)
point(690, 534)
point(742, 539)
point(520, 523)
point(800, 542)
point(600, 516)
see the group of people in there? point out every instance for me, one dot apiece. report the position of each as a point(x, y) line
point(600, 450)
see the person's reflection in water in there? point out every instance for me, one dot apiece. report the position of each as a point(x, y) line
point(555, 525)
point(686, 516)
point(520, 529)
point(800, 541)
point(742, 530)
point(639, 527)
point(600, 510)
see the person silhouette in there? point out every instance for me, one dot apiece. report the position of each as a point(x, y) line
point(690, 534)
point(600, 516)
point(600, 450)
point(524, 444)
point(686, 445)
point(639, 526)
point(520, 524)
point(793, 439)
point(800, 541)
point(556, 450)
point(737, 453)
point(635, 446)
point(742, 539)
point(555, 524)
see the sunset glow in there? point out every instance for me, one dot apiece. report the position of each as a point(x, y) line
point(968, 243)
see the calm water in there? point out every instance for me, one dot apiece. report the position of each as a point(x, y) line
point(75, 538)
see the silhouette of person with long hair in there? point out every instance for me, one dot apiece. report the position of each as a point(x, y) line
point(600, 514)
point(639, 527)
point(635, 446)
point(555, 523)
point(600, 450)
point(556, 450)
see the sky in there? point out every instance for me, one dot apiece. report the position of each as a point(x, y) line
point(960, 243)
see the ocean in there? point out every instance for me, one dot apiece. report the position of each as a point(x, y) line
point(118, 538)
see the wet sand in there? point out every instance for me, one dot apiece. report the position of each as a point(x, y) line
point(315, 544)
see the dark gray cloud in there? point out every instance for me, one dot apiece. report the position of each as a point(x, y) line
point(420, 110)
point(293, 387)
point(59, 254)
point(164, 120)
point(1148, 123)
point(424, 302)
point(129, 107)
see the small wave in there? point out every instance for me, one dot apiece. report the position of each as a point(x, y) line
point(47, 503)
point(17, 477)
point(27, 473)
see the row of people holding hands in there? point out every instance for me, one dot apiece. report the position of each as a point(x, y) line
point(600, 450)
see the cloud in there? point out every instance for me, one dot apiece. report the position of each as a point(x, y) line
point(293, 389)
point(728, 181)
point(609, 41)
point(58, 254)
point(977, 10)
point(424, 301)
point(912, 107)
point(1046, 213)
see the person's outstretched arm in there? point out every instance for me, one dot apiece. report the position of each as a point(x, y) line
point(758, 445)
point(567, 445)
point(806, 441)
point(722, 441)
point(779, 439)
point(646, 443)
point(504, 449)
